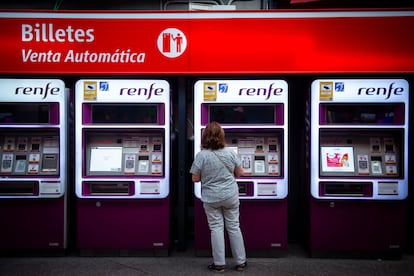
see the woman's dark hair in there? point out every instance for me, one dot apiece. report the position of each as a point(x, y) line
point(213, 137)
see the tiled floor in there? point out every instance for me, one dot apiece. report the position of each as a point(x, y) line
point(295, 262)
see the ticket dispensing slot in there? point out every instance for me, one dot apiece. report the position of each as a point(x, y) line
point(108, 188)
point(14, 188)
point(346, 189)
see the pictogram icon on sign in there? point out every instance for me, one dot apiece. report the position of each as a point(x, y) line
point(172, 42)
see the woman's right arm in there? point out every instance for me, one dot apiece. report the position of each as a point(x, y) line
point(238, 171)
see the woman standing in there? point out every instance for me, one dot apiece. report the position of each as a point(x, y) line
point(216, 167)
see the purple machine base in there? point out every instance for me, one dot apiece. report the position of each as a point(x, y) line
point(263, 224)
point(33, 225)
point(123, 227)
point(369, 229)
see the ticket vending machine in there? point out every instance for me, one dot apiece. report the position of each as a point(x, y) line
point(33, 180)
point(122, 166)
point(358, 166)
point(253, 114)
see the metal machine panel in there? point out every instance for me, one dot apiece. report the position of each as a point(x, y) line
point(122, 136)
point(359, 135)
point(254, 116)
point(33, 164)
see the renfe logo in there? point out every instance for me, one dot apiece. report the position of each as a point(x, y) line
point(142, 91)
point(259, 91)
point(381, 91)
point(41, 91)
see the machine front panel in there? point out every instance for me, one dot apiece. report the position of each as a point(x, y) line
point(33, 138)
point(122, 139)
point(253, 114)
point(359, 139)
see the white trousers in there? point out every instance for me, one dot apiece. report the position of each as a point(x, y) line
point(225, 214)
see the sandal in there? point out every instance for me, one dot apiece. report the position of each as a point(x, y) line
point(241, 267)
point(216, 268)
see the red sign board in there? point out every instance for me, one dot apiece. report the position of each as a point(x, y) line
point(206, 42)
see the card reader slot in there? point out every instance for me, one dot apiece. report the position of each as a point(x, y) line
point(346, 189)
point(17, 188)
point(109, 188)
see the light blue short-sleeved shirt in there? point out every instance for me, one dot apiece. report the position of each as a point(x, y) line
point(217, 182)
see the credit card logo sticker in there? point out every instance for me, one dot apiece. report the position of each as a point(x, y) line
point(90, 90)
point(210, 91)
point(326, 91)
